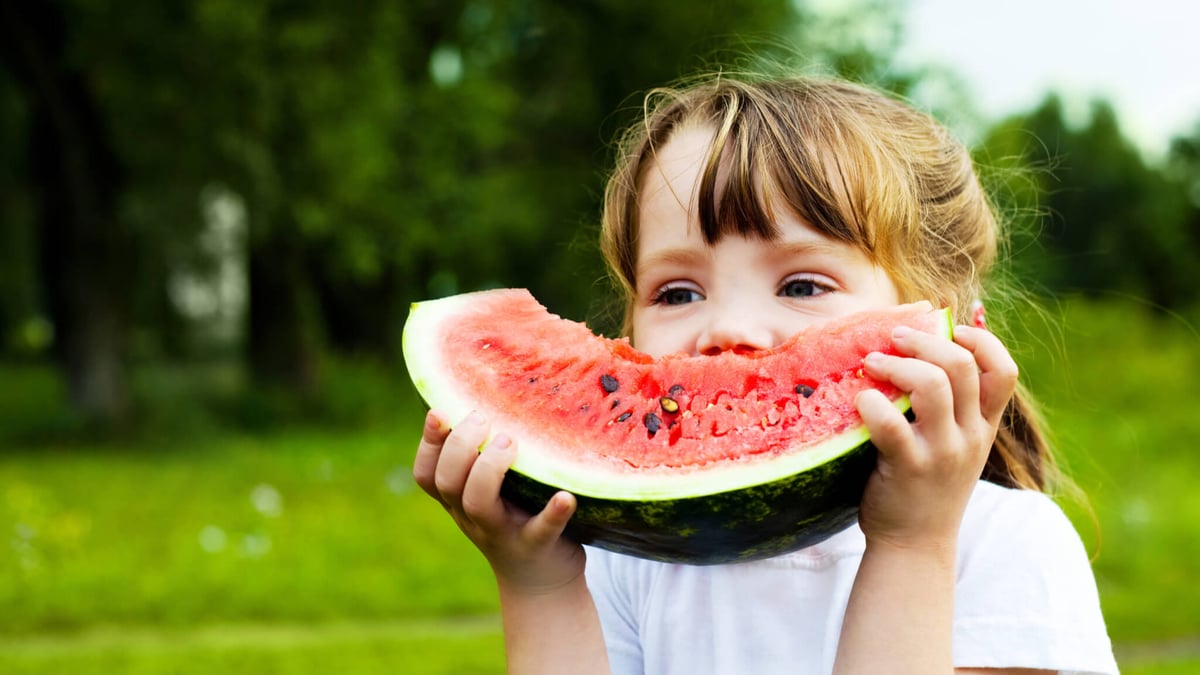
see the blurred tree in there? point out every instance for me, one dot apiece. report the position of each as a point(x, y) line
point(1105, 220)
point(1183, 168)
point(85, 250)
point(18, 300)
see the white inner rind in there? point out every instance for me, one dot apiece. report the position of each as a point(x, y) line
point(423, 356)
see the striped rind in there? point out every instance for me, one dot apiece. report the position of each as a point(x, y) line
point(751, 523)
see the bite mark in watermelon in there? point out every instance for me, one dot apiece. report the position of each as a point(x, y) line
point(695, 459)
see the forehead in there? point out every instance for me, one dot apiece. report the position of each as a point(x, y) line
point(671, 179)
point(667, 204)
point(669, 227)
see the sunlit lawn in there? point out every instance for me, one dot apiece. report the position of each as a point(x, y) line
point(309, 550)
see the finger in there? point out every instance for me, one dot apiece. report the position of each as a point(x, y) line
point(958, 363)
point(998, 372)
point(429, 450)
point(459, 453)
point(481, 500)
point(546, 527)
point(890, 431)
point(927, 386)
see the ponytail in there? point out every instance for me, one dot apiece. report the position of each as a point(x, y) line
point(1021, 456)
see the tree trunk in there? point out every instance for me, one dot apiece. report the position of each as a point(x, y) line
point(362, 317)
point(86, 256)
point(283, 341)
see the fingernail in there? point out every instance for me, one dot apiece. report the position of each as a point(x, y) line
point(900, 332)
point(475, 418)
point(432, 420)
point(501, 441)
point(872, 358)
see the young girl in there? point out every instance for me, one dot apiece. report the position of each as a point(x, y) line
point(739, 213)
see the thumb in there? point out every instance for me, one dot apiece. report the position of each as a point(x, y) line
point(546, 527)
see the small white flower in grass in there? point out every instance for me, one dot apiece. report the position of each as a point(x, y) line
point(22, 546)
point(213, 539)
point(400, 480)
point(255, 545)
point(267, 500)
point(325, 470)
point(1137, 513)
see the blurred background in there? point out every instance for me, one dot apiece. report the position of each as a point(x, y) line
point(214, 215)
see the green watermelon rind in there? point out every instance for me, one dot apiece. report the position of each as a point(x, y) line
point(742, 525)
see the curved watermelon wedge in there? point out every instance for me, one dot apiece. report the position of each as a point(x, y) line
point(704, 459)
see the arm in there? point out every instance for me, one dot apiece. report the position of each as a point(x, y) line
point(550, 621)
point(899, 618)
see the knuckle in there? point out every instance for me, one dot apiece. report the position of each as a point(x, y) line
point(935, 383)
point(447, 487)
point(921, 463)
point(962, 362)
point(473, 506)
point(1010, 371)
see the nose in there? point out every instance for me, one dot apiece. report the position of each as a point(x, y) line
point(735, 328)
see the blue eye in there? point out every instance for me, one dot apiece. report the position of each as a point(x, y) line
point(802, 288)
point(677, 295)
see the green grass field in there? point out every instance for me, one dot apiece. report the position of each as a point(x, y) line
point(191, 547)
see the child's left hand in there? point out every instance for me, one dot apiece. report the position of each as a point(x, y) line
point(928, 468)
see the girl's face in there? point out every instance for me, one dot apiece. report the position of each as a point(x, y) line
point(739, 293)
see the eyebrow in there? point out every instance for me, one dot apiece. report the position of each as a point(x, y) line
point(670, 256)
point(806, 247)
point(779, 250)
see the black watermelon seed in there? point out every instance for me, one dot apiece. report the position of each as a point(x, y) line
point(804, 390)
point(616, 402)
point(653, 424)
point(624, 416)
point(583, 408)
point(609, 383)
point(668, 404)
point(675, 390)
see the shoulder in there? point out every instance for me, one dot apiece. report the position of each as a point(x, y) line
point(1025, 593)
point(1019, 519)
point(1006, 531)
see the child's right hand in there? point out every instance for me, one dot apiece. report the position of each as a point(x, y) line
point(527, 553)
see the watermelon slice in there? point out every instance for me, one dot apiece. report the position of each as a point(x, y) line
point(695, 459)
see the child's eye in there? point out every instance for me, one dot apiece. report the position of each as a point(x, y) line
point(676, 295)
point(802, 288)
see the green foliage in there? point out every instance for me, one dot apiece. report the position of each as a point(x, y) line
point(1122, 431)
point(18, 290)
point(1091, 215)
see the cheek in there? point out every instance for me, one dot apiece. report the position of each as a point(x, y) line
point(656, 338)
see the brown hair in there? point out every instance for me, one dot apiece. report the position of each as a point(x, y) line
point(857, 165)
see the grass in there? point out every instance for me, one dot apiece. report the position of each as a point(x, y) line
point(310, 526)
point(342, 649)
point(1122, 397)
point(189, 545)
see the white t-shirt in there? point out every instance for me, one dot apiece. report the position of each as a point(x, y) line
point(1025, 598)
